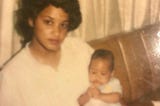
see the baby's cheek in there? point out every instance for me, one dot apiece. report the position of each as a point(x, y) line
point(104, 80)
point(91, 79)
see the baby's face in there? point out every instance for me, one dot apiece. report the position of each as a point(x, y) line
point(99, 72)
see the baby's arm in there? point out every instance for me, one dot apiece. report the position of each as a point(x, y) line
point(106, 97)
point(109, 97)
point(83, 99)
point(112, 97)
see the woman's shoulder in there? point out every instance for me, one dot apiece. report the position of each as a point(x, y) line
point(16, 61)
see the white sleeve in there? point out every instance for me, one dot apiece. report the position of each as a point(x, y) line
point(112, 86)
point(116, 86)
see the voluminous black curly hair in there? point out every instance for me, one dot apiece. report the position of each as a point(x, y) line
point(31, 8)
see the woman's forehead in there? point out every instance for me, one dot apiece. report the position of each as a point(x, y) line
point(54, 12)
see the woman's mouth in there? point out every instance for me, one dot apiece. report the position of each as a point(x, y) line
point(54, 41)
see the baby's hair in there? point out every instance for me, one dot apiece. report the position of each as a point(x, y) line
point(106, 55)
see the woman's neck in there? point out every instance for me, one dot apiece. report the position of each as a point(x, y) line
point(45, 56)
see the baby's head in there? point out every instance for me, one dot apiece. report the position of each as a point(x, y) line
point(101, 67)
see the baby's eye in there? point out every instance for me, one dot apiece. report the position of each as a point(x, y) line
point(93, 72)
point(103, 73)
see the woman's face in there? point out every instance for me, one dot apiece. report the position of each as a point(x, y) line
point(50, 28)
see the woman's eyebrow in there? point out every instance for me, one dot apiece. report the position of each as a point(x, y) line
point(52, 18)
point(48, 17)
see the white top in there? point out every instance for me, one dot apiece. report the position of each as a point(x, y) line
point(112, 86)
point(26, 82)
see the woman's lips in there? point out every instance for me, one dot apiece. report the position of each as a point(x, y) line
point(54, 41)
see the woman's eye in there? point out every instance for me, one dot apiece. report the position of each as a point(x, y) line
point(48, 22)
point(64, 25)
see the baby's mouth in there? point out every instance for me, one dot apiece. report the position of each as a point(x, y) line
point(96, 83)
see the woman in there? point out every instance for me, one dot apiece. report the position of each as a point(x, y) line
point(51, 69)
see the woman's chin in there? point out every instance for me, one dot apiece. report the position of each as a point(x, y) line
point(53, 48)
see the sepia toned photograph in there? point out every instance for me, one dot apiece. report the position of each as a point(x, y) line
point(79, 52)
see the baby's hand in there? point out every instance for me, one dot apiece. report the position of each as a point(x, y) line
point(94, 92)
point(83, 99)
point(89, 92)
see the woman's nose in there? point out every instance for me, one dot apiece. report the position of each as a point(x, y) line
point(56, 30)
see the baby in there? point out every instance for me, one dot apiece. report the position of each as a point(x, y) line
point(105, 90)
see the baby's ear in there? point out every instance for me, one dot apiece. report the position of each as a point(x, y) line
point(30, 22)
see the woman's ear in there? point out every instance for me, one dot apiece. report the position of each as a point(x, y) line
point(30, 22)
